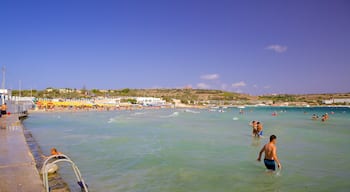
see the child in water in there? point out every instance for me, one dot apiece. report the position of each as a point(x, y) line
point(255, 129)
point(259, 129)
point(53, 152)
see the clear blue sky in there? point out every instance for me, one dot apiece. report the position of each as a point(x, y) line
point(254, 47)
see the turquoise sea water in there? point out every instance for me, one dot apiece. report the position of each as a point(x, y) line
point(198, 150)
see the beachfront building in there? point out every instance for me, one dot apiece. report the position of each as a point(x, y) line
point(107, 101)
point(337, 101)
point(66, 90)
point(150, 101)
point(103, 90)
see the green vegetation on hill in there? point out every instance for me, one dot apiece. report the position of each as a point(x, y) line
point(187, 96)
point(314, 99)
point(184, 95)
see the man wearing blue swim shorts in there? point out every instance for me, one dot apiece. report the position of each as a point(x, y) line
point(270, 154)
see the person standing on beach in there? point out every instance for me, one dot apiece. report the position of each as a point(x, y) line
point(3, 109)
point(270, 151)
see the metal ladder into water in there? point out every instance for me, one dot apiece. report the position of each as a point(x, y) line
point(66, 159)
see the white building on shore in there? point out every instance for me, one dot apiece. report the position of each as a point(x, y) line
point(107, 101)
point(339, 101)
point(150, 101)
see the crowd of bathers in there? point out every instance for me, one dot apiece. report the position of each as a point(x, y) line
point(324, 117)
point(257, 128)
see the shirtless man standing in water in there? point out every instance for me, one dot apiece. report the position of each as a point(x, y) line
point(270, 154)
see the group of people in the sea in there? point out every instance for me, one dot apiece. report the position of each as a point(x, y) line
point(324, 117)
point(269, 149)
point(257, 128)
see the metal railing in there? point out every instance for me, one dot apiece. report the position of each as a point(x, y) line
point(58, 159)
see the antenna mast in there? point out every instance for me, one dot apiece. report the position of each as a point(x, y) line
point(3, 78)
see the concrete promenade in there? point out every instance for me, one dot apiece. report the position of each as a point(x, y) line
point(17, 166)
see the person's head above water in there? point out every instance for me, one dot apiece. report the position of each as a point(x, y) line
point(273, 138)
point(54, 151)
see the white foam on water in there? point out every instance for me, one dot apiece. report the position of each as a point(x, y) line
point(175, 114)
point(190, 111)
point(138, 113)
point(111, 120)
point(235, 118)
point(278, 173)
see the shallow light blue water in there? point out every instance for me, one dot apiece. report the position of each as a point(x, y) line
point(197, 150)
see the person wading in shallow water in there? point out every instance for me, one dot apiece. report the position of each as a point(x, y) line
point(270, 151)
point(254, 126)
point(259, 130)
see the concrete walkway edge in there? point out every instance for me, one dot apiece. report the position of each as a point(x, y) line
point(18, 171)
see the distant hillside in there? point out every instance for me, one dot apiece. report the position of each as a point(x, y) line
point(189, 94)
point(315, 99)
point(185, 95)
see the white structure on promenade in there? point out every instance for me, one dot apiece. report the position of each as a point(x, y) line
point(107, 101)
point(332, 101)
point(150, 101)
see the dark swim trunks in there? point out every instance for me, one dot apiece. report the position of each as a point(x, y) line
point(270, 164)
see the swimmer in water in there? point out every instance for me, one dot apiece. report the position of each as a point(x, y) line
point(326, 116)
point(259, 127)
point(270, 151)
point(254, 126)
point(53, 152)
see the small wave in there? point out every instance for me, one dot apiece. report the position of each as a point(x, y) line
point(175, 114)
point(235, 118)
point(138, 113)
point(111, 120)
point(190, 111)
